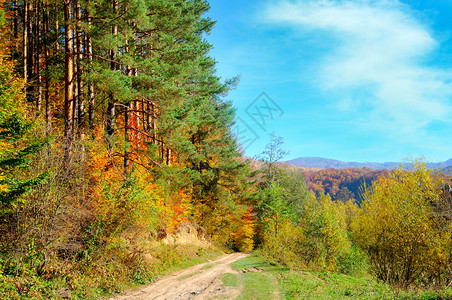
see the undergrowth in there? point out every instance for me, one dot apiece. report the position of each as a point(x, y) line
point(100, 277)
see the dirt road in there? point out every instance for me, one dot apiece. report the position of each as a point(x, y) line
point(198, 282)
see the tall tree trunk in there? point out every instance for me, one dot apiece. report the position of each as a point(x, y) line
point(80, 95)
point(30, 48)
point(76, 64)
point(57, 29)
point(146, 119)
point(69, 81)
point(15, 20)
point(25, 41)
point(129, 107)
point(127, 139)
point(74, 78)
point(136, 134)
point(110, 123)
point(153, 124)
point(90, 84)
point(46, 17)
point(38, 36)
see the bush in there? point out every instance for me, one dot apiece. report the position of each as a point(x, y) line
point(398, 228)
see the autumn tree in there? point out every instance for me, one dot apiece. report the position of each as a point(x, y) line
point(396, 225)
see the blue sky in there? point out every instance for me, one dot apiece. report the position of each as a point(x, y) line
point(348, 80)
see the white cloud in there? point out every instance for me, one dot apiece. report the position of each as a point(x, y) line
point(382, 48)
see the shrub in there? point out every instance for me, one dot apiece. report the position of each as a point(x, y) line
point(397, 227)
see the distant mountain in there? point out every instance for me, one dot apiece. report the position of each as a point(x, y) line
point(325, 163)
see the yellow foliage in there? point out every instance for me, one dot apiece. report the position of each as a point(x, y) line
point(325, 226)
point(284, 245)
point(396, 225)
point(244, 234)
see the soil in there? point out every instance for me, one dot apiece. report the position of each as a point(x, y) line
point(202, 281)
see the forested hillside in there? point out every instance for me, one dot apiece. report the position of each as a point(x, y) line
point(342, 184)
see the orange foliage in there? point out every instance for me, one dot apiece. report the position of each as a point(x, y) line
point(173, 211)
point(244, 235)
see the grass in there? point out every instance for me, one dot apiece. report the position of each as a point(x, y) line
point(254, 285)
point(209, 266)
point(330, 285)
point(276, 282)
point(230, 279)
point(188, 275)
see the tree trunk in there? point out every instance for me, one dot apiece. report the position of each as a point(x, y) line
point(110, 124)
point(168, 157)
point(46, 66)
point(30, 48)
point(38, 34)
point(110, 129)
point(15, 20)
point(153, 124)
point(90, 84)
point(127, 139)
point(25, 42)
point(68, 81)
point(80, 95)
point(129, 107)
